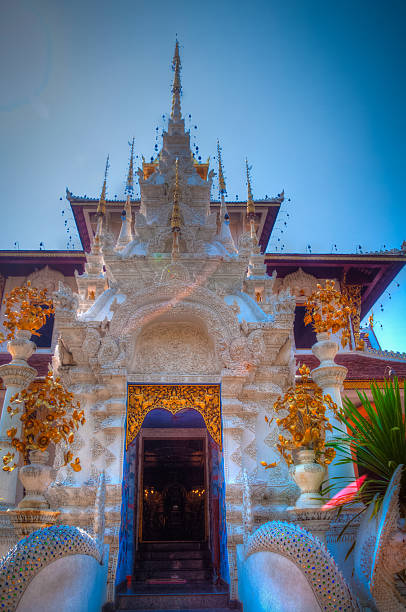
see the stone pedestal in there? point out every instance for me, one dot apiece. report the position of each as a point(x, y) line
point(35, 478)
point(330, 377)
point(27, 520)
point(16, 375)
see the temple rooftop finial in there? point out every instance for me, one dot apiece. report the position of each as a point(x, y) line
point(129, 187)
point(176, 114)
point(101, 208)
point(222, 183)
point(250, 201)
point(126, 235)
point(251, 209)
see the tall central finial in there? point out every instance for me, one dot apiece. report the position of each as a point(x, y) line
point(250, 201)
point(222, 183)
point(251, 208)
point(175, 217)
point(176, 114)
point(129, 188)
point(101, 208)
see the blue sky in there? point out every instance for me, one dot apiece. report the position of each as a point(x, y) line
point(313, 92)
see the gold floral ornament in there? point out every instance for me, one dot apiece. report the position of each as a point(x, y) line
point(205, 399)
point(26, 308)
point(49, 415)
point(305, 423)
point(329, 310)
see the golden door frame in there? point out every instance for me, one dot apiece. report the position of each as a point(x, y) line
point(142, 398)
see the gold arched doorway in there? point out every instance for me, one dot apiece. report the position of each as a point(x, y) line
point(142, 398)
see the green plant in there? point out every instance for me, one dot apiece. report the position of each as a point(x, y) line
point(374, 438)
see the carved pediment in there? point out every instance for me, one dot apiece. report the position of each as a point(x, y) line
point(300, 284)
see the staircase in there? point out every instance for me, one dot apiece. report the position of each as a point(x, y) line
point(174, 576)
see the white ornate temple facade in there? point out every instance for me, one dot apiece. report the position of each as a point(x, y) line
point(176, 313)
point(175, 305)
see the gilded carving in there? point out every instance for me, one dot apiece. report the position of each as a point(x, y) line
point(141, 399)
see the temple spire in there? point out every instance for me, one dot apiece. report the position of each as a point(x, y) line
point(222, 183)
point(222, 190)
point(129, 188)
point(223, 225)
point(176, 114)
point(251, 207)
point(101, 207)
point(125, 235)
point(175, 217)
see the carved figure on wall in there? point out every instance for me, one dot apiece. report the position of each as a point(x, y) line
point(65, 355)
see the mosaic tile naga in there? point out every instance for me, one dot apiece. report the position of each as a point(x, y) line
point(310, 555)
point(34, 553)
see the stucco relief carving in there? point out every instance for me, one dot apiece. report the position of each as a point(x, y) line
point(91, 342)
point(46, 278)
point(174, 347)
point(109, 351)
point(65, 301)
point(300, 284)
point(151, 303)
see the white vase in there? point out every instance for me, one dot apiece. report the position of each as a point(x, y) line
point(35, 478)
point(308, 476)
point(325, 349)
point(21, 347)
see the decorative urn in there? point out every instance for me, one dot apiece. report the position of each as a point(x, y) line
point(308, 475)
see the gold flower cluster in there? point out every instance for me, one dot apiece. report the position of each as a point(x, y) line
point(306, 422)
point(48, 414)
point(26, 308)
point(330, 311)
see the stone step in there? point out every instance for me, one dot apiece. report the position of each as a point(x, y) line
point(188, 610)
point(172, 546)
point(174, 554)
point(176, 574)
point(165, 563)
point(173, 601)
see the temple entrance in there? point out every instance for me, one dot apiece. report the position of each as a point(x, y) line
point(173, 539)
point(174, 500)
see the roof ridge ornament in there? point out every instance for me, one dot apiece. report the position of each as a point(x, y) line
point(222, 183)
point(176, 114)
point(129, 187)
point(251, 209)
point(101, 207)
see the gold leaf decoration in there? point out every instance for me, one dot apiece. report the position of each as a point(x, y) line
point(141, 399)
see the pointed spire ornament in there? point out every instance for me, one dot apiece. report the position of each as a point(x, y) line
point(250, 201)
point(223, 221)
point(129, 188)
point(222, 189)
point(101, 208)
point(125, 235)
point(175, 217)
point(176, 114)
point(222, 183)
point(251, 209)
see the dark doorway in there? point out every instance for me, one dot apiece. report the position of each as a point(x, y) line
point(173, 490)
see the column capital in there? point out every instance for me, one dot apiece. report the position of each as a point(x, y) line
point(329, 376)
point(17, 375)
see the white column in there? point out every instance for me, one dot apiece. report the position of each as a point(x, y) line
point(16, 375)
point(330, 376)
